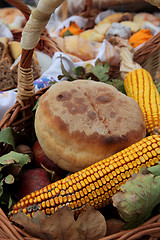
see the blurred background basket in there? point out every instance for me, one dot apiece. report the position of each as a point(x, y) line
point(148, 56)
point(46, 43)
point(90, 8)
point(20, 118)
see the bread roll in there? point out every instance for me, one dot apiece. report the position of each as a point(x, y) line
point(79, 47)
point(9, 14)
point(4, 51)
point(92, 35)
point(81, 122)
point(15, 49)
point(6, 77)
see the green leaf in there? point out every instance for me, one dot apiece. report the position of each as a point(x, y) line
point(60, 77)
point(36, 105)
point(155, 170)
point(14, 157)
point(101, 71)
point(158, 86)
point(79, 71)
point(65, 73)
point(6, 199)
point(88, 67)
point(138, 197)
point(9, 179)
point(67, 33)
point(10, 201)
point(119, 84)
point(52, 82)
point(1, 188)
point(7, 136)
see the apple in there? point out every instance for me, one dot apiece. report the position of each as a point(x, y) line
point(40, 159)
point(32, 180)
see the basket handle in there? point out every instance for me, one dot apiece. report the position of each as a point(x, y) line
point(88, 7)
point(37, 20)
point(21, 6)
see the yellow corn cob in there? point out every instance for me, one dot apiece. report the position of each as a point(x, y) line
point(95, 185)
point(139, 85)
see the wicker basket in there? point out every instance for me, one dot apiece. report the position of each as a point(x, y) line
point(20, 118)
point(92, 7)
point(122, 5)
point(10, 231)
point(148, 56)
point(150, 230)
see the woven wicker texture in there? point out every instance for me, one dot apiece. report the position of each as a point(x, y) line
point(10, 231)
point(150, 230)
point(129, 5)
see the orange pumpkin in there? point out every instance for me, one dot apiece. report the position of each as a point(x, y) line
point(140, 37)
point(73, 29)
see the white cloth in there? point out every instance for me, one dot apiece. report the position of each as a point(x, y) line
point(105, 53)
point(103, 15)
point(80, 21)
point(5, 32)
point(72, 7)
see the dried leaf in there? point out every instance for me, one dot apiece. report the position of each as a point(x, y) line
point(62, 225)
point(91, 224)
point(113, 226)
point(31, 225)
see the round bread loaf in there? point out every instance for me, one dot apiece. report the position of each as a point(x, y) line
point(81, 122)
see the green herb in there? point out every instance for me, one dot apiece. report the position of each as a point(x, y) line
point(65, 73)
point(158, 86)
point(67, 33)
point(10, 167)
point(119, 84)
point(7, 136)
point(10, 164)
point(79, 71)
point(99, 72)
point(36, 105)
point(11, 137)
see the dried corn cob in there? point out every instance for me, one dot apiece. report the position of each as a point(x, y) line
point(140, 86)
point(94, 185)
